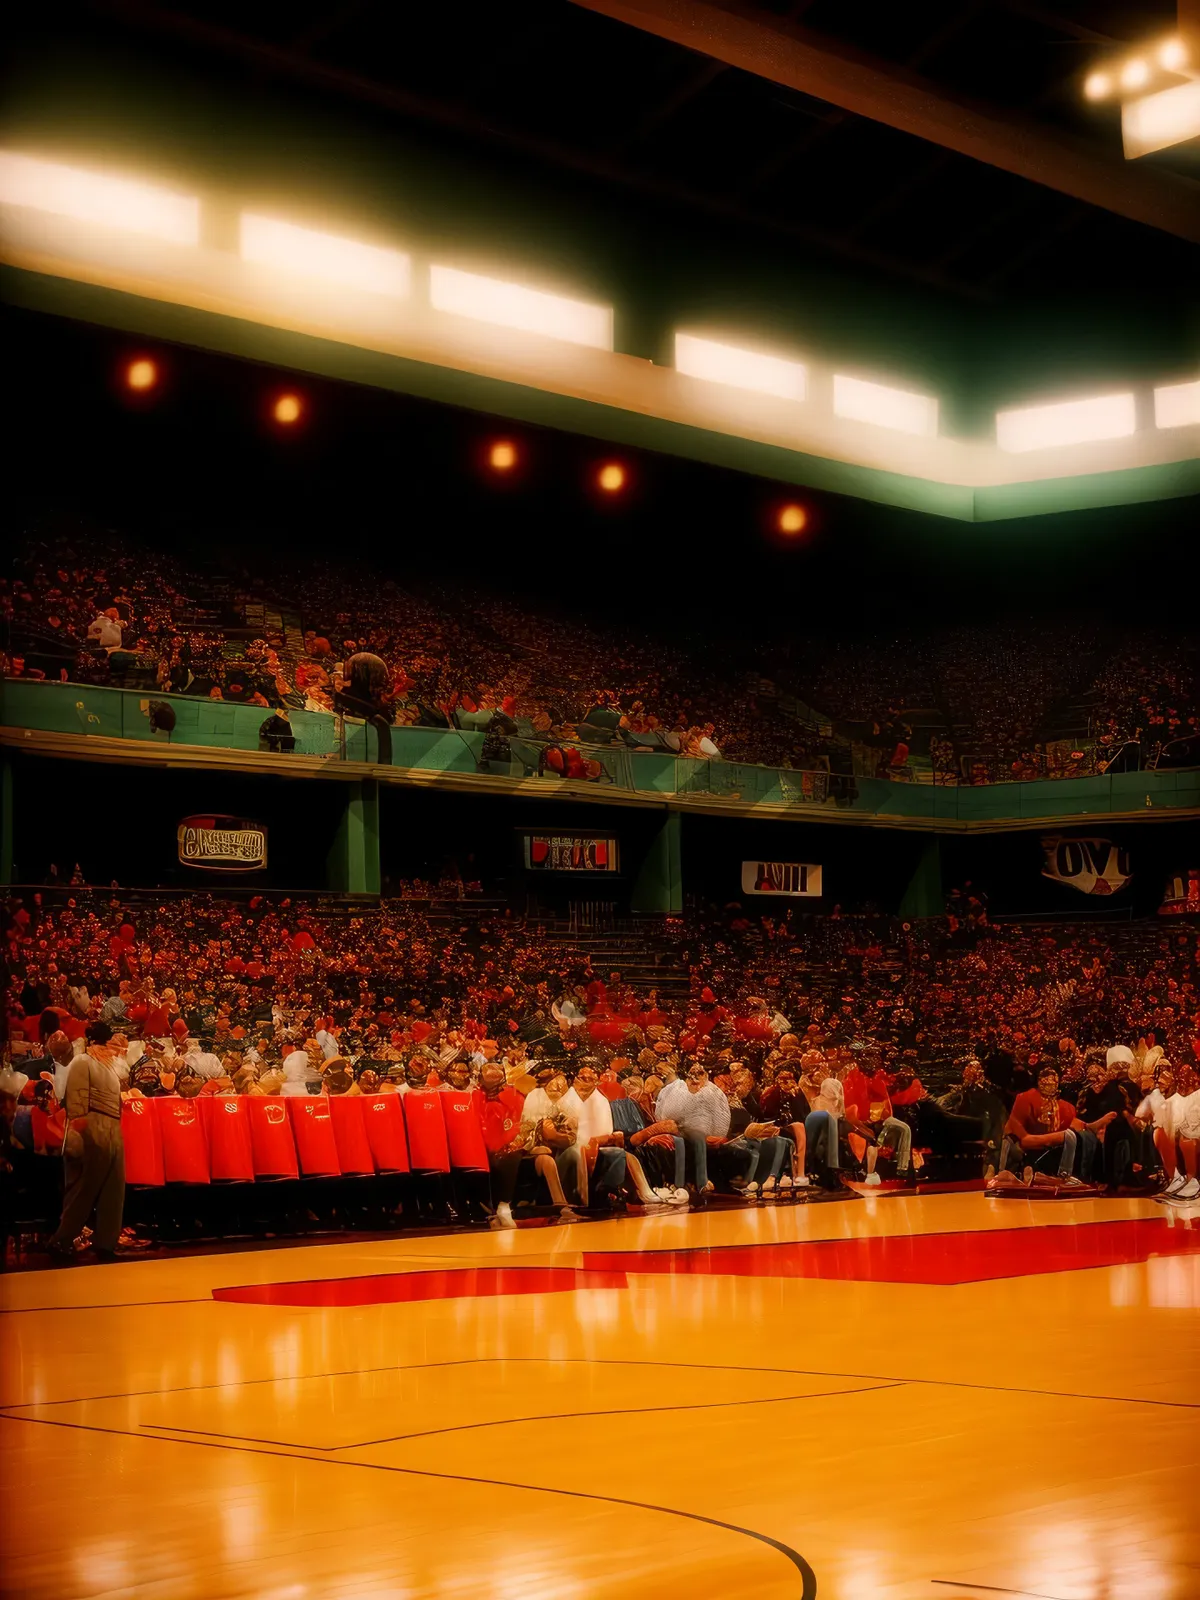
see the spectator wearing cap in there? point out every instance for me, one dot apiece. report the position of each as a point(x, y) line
point(95, 1152)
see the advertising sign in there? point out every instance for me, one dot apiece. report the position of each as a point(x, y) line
point(570, 852)
point(799, 879)
point(222, 844)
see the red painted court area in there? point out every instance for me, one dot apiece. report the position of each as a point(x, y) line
point(937, 1258)
point(934, 1258)
point(390, 1288)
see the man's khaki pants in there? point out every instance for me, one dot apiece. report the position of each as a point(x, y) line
point(95, 1181)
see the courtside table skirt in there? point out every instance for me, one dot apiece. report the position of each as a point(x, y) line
point(350, 1136)
point(142, 1137)
point(312, 1129)
point(271, 1142)
point(464, 1132)
point(383, 1120)
point(230, 1147)
point(428, 1147)
point(184, 1140)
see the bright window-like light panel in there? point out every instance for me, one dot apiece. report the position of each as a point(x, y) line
point(743, 369)
point(511, 305)
point(98, 197)
point(324, 255)
point(1104, 416)
point(861, 401)
point(1177, 404)
point(1158, 121)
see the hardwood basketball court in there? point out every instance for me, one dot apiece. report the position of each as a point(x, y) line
point(934, 1396)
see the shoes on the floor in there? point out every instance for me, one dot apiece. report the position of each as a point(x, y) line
point(503, 1217)
point(872, 1180)
point(679, 1197)
point(1190, 1191)
point(1176, 1183)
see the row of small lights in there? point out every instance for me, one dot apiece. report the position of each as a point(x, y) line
point(611, 477)
point(1134, 74)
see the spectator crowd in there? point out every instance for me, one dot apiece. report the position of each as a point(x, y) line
point(788, 1055)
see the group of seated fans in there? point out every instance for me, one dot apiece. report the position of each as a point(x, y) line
point(92, 607)
point(794, 1063)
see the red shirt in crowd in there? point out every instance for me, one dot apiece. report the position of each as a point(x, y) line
point(501, 1118)
point(1033, 1114)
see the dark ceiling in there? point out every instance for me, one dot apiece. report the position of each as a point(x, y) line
point(547, 82)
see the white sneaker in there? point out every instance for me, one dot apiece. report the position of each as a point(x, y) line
point(1176, 1183)
point(796, 1183)
point(503, 1217)
point(872, 1180)
point(679, 1197)
point(664, 1195)
point(1190, 1190)
point(785, 1182)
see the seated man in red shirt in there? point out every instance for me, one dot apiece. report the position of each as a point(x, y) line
point(500, 1111)
point(1050, 1134)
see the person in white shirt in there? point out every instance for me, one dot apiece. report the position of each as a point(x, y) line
point(203, 1062)
point(600, 1143)
point(701, 1112)
point(105, 630)
point(1174, 1104)
point(94, 1155)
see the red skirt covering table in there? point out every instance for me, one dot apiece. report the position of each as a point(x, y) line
point(184, 1141)
point(230, 1148)
point(428, 1147)
point(142, 1138)
point(383, 1120)
point(312, 1129)
point(464, 1130)
point(272, 1146)
point(350, 1135)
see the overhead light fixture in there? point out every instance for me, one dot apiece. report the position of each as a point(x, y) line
point(1135, 74)
point(1097, 86)
point(287, 409)
point(512, 305)
point(1158, 121)
point(1172, 55)
point(861, 401)
point(1177, 404)
point(611, 477)
point(1103, 416)
point(741, 369)
point(141, 374)
point(327, 256)
point(100, 197)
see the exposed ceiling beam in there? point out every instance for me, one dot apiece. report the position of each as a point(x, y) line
point(811, 63)
point(261, 56)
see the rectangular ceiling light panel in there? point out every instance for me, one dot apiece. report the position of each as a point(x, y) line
point(512, 305)
point(98, 197)
point(742, 369)
point(1158, 121)
point(1104, 416)
point(327, 256)
point(1177, 404)
point(860, 401)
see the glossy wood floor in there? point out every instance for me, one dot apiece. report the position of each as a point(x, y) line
point(694, 1435)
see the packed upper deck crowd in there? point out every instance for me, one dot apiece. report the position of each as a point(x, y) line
point(96, 608)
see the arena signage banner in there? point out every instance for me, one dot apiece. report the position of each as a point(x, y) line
point(1181, 898)
point(222, 844)
point(799, 879)
point(570, 852)
point(1093, 866)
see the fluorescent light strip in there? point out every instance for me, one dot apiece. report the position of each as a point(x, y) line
point(98, 197)
point(324, 255)
point(511, 305)
point(861, 401)
point(1177, 404)
point(1158, 121)
point(1104, 416)
point(741, 369)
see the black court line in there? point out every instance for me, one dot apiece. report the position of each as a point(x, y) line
point(114, 1305)
point(506, 1422)
point(614, 1361)
point(808, 1578)
point(991, 1588)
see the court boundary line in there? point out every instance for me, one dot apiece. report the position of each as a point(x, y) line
point(615, 1361)
point(507, 1422)
point(992, 1588)
point(808, 1578)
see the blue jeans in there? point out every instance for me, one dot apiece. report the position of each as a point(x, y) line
point(697, 1147)
point(821, 1134)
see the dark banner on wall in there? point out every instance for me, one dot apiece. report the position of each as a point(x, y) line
point(571, 852)
point(1093, 866)
point(1181, 898)
point(799, 879)
point(222, 844)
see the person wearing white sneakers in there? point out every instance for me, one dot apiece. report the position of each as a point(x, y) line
point(658, 1145)
point(1176, 1130)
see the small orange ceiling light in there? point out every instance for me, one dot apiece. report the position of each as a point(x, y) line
point(141, 374)
point(792, 519)
point(611, 477)
point(502, 457)
point(287, 408)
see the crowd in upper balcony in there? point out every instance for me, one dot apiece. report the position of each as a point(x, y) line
point(980, 701)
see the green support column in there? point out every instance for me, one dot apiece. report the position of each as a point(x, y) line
point(923, 897)
point(659, 885)
point(353, 862)
point(6, 819)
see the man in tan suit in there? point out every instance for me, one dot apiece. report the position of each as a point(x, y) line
point(94, 1152)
